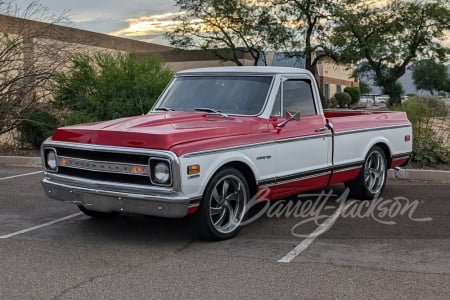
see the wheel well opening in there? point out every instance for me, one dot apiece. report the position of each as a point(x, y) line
point(247, 172)
point(387, 153)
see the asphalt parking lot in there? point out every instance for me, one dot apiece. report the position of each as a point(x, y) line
point(48, 250)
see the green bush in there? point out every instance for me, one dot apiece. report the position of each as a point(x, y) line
point(332, 103)
point(38, 125)
point(354, 93)
point(436, 107)
point(106, 86)
point(430, 130)
point(343, 99)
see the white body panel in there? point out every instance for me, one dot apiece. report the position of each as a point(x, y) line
point(354, 146)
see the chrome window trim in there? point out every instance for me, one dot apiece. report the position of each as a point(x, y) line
point(261, 112)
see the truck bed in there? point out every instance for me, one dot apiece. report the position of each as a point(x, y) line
point(360, 120)
point(337, 113)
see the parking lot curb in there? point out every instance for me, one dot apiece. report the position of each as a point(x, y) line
point(419, 174)
point(20, 161)
point(410, 174)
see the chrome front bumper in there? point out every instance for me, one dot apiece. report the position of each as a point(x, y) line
point(109, 197)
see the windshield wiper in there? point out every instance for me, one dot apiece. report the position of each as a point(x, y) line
point(164, 109)
point(211, 110)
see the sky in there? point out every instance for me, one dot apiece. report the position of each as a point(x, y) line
point(144, 20)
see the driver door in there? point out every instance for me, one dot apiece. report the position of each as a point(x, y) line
point(303, 148)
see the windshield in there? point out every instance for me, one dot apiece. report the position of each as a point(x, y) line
point(242, 95)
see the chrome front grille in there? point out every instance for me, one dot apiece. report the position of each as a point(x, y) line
point(120, 165)
point(104, 166)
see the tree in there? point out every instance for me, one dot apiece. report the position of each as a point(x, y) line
point(106, 86)
point(364, 88)
point(226, 27)
point(306, 24)
point(29, 58)
point(430, 76)
point(389, 37)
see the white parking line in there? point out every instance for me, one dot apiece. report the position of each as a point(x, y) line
point(308, 241)
point(7, 236)
point(21, 175)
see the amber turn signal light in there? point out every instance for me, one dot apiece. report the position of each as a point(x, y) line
point(138, 170)
point(63, 161)
point(194, 169)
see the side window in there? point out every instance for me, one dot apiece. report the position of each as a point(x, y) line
point(298, 97)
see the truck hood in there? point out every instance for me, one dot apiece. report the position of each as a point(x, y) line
point(161, 131)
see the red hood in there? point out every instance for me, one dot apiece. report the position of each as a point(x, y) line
point(161, 130)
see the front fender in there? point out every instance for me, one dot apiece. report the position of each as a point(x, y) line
point(210, 164)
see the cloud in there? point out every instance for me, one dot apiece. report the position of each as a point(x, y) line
point(147, 25)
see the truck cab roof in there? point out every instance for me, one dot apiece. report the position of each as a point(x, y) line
point(269, 70)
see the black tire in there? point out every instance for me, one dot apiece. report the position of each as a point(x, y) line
point(372, 178)
point(98, 214)
point(223, 205)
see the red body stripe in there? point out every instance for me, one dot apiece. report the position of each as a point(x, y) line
point(344, 176)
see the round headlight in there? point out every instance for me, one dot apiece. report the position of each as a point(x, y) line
point(51, 160)
point(161, 172)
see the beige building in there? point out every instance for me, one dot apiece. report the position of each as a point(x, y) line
point(77, 40)
point(334, 78)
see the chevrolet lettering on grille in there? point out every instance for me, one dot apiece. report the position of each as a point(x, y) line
point(101, 166)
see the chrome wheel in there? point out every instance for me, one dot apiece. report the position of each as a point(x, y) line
point(224, 205)
point(371, 180)
point(375, 172)
point(227, 204)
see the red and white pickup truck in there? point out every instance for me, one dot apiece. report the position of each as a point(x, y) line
point(217, 136)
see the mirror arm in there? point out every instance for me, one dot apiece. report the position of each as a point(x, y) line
point(289, 117)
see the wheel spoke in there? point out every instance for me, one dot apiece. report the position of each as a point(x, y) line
point(216, 210)
point(216, 196)
point(225, 187)
point(371, 183)
point(233, 218)
point(379, 163)
point(370, 162)
point(367, 175)
point(233, 197)
point(230, 209)
point(221, 219)
point(376, 184)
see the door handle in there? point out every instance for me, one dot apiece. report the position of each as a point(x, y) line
point(321, 129)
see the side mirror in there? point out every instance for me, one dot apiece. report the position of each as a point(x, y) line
point(289, 117)
point(293, 117)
